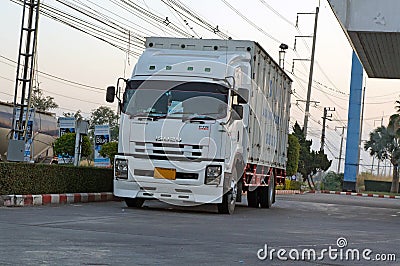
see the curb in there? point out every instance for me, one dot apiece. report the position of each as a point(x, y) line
point(46, 199)
point(287, 192)
point(361, 194)
point(382, 196)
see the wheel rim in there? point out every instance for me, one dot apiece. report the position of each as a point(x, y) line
point(271, 187)
point(233, 192)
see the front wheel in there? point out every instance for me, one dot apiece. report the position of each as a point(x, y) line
point(227, 206)
point(134, 203)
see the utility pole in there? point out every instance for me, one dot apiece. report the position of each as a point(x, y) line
point(341, 148)
point(324, 118)
point(361, 127)
point(310, 78)
point(26, 65)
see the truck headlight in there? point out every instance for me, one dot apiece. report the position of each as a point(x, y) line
point(121, 169)
point(213, 174)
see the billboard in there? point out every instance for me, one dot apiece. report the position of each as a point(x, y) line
point(66, 125)
point(101, 136)
point(29, 131)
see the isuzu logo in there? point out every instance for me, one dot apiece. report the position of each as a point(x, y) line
point(168, 139)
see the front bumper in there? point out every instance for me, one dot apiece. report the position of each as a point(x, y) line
point(169, 192)
point(179, 191)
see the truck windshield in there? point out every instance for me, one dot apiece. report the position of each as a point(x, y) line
point(171, 99)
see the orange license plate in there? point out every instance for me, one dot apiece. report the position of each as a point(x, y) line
point(165, 173)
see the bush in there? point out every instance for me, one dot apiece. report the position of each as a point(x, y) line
point(292, 184)
point(22, 178)
point(65, 145)
point(280, 187)
point(332, 181)
point(109, 149)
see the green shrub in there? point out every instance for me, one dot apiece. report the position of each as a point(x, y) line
point(109, 149)
point(280, 187)
point(292, 184)
point(332, 181)
point(65, 145)
point(22, 178)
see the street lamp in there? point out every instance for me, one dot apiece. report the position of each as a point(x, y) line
point(282, 53)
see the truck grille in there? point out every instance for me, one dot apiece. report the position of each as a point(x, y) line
point(168, 151)
point(179, 175)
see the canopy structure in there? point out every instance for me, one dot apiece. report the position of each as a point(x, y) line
point(373, 29)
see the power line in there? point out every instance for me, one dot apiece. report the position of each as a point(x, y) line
point(277, 13)
point(251, 22)
point(59, 78)
point(183, 10)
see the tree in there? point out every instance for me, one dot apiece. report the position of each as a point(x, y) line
point(105, 115)
point(65, 145)
point(109, 149)
point(41, 102)
point(77, 115)
point(332, 181)
point(384, 143)
point(310, 161)
point(398, 106)
point(293, 155)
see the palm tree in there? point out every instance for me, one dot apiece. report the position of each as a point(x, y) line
point(398, 106)
point(384, 143)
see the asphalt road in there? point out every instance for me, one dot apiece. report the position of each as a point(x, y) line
point(111, 234)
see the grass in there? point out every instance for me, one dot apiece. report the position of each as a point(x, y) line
point(381, 193)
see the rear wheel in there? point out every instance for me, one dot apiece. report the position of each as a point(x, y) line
point(134, 203)
point(263, 196)
point(267, 194)
point(239, 191)
point(252, 198)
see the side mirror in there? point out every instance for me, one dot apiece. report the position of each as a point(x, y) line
point(237, 112)
point(243, 95)
point(110, 95)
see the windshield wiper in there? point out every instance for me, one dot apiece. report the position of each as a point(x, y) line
point(200, 117)
point(151, 114)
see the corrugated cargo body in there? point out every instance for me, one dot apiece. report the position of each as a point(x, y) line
point(270, 101)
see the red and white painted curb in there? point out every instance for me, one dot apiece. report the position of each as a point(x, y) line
point(45, 199)
point(357, 194)
point(287, 192)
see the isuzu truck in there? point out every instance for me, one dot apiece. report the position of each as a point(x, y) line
point(203, 121)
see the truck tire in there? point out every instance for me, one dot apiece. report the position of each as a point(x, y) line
point(134, 203)
point(239, 191)
point(227, 206)
point(267, 194)
point(263, 196)
point(252, 198)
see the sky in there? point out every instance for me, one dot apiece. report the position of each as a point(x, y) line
point(69, 54)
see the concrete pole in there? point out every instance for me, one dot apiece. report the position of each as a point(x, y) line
point(340, 151)
point(310, 78)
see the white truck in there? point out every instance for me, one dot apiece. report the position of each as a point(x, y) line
point(202, 121)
